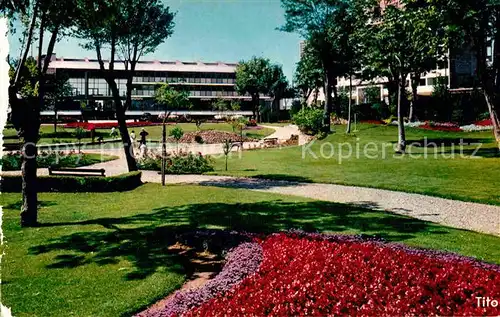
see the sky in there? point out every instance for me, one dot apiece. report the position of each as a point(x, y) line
point(215, 30)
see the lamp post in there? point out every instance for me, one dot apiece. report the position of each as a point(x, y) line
point(163, 147)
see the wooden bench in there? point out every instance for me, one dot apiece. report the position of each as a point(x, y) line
point(63, 171)
point(271, 141)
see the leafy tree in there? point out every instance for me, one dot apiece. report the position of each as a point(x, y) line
point(278, 87)
point(130, 29)
point(36, 17)
point(79, 135)
point(171, 99)
point(252, 77)
point(308, 74)
point(227, 146)
point(475, 24)
point(327, 25)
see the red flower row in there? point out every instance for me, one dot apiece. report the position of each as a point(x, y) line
point(106, 125)
point(484, 123)
point(435, 127)
point(306, 276)
point(373, 121)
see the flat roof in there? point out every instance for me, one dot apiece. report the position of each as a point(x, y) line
point(156, 66)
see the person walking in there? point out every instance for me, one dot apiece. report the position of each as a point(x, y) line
point(113, 132)
point(132, 138)
point(143, 135)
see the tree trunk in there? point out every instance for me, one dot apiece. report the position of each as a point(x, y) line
point(55, 119)
point(328, 103)
point(349, 106)
point(495, 121)
point(127, 144)
point(414, 84)
point(336, 101)
point(401, 125)
point(29, 212)
point(316, 92)
point(256, 106)
point(27, 118)
point(122, 126)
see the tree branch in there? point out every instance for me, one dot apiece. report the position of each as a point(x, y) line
point(20, 65)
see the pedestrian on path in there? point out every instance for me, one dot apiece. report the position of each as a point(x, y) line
point(133, 137)
point(143, 135)
point(113, 132)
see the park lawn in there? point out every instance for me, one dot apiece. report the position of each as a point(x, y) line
point(106, 254)
point(462, 178)
point(155, 131)
point(67, 135)
point(88, 159)
point(48, 136)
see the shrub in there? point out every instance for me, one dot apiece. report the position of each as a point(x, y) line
point(71, 184)
point(309, 120)
point(178, 163)
point(12, 161)
point(198, 139)
point(176, 133)
point(252, 123)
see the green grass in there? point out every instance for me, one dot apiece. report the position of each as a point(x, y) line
point(48, 136)
point(67, 135)
point(277, 124)
point(10, 163)
point(463, 178)
point(106, 254)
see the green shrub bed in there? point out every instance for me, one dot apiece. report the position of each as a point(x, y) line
point(12, 161)
point(73, 184)
point(178, 163)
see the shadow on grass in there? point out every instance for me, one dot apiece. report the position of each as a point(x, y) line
point(284, 177)
point(447, 142)
point(19, 204)
point(146, 239)
point(261, 181)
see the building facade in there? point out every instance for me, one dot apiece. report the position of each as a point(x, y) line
point(205, 82)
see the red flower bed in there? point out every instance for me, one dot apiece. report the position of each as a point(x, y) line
point(484, 123)
point(107, 125)
point(373, 121)
point(304, 275)
point(438, 127)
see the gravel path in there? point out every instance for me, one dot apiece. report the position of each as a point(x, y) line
point(453, 213)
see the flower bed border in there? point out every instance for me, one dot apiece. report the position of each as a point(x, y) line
point(242, 261)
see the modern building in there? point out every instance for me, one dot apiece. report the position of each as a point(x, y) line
point(302, 45)
point(205, 82)
point(457, 68)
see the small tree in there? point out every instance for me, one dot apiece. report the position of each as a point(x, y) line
point(227, 146)
point(255, 77)
point(177, 134)
point(79, 135)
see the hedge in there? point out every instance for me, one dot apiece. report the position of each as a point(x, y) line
point(72, 184)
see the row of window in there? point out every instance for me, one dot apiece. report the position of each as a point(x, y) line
point(184, 80)
point(183, 75)
point(201, 93)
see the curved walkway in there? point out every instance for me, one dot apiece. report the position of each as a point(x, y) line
point(453, 213)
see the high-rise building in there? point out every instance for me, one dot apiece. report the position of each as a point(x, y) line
point(302, 45)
